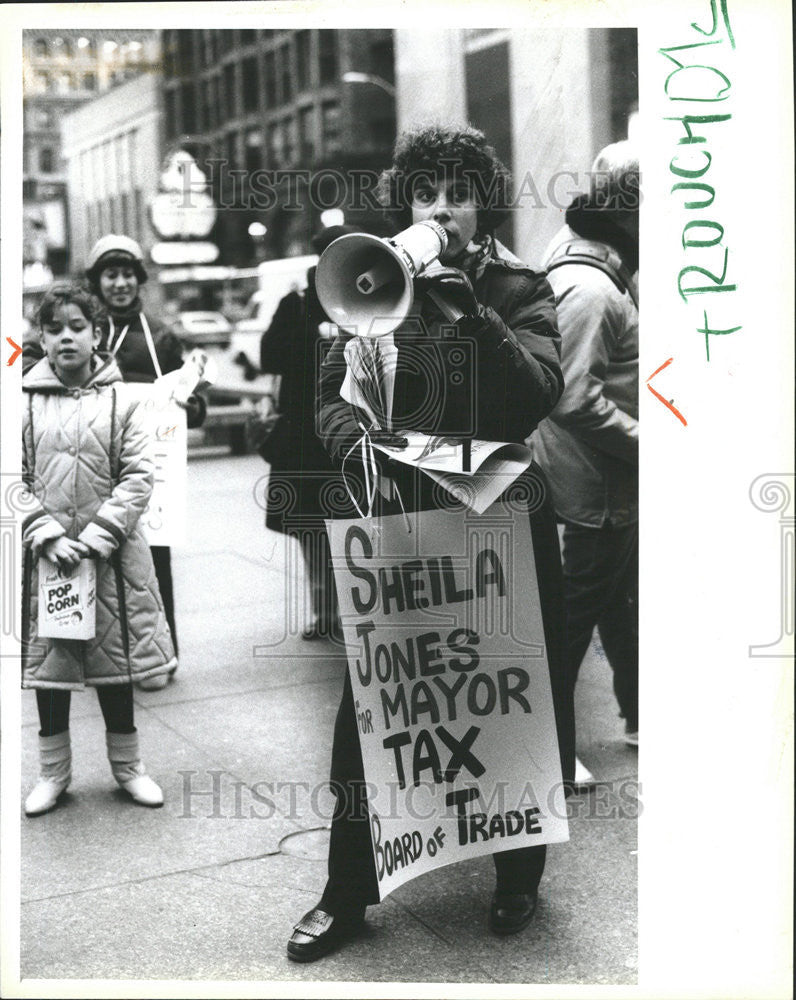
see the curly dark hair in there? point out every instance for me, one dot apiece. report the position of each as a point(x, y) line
point(62, 293)
point(433, 152)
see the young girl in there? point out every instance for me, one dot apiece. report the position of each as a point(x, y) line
point(84, 461)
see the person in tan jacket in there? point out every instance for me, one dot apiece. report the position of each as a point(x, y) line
point(588, 446)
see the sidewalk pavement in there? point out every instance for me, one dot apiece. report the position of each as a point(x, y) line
point(209, 886)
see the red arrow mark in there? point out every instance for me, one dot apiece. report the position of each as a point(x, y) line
point(16, 354)
point(666, 402)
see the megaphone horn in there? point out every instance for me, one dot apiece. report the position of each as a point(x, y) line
point(365, 284)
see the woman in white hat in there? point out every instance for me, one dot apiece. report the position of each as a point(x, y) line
point(143, 351)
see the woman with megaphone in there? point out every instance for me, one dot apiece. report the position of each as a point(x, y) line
point(447, 185)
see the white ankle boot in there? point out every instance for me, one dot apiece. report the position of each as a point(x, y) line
point(130, 773)
point(55, 773)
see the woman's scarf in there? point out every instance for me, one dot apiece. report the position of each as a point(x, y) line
point(123, 316)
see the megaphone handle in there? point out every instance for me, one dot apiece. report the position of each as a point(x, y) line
point(451, 312)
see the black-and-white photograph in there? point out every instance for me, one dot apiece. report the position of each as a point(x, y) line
point(327, 499)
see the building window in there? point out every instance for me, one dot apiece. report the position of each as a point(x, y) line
point(253, 150)
point(89, 81)
point(230, 90)
point(46, 160)
point(251, 84)
point(307, 134)
point(86, 46)
point(41, 49)
point(62, 47)
point(302, 60)
point(291, 140)
point(206, 48)
point(188, 107)
point(135, 166)
point(89, 222)
point(171, 112)
point(65, 83)
point(269, 68)
point(286, 72)
point(126, 220)
point(330, 127)
point(133, 51)
point(276, 144)
point(185, 63)
point(219, 92)
point(327, 55)
point(43, 81)
point(169, 46)
point(43, 118)
point(140, 217)
point(231, 149)
point(208, 101)
point(201, 112)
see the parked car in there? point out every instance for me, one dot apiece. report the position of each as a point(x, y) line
point(202, 329)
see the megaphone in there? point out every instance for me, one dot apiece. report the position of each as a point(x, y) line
point(366, 284)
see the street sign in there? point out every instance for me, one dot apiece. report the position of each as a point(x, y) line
point(177, 214)
point(187, 252)
point(183, 208)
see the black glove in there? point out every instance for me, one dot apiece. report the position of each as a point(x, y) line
point(452, 284)
point(388, 439)
point(196, 409)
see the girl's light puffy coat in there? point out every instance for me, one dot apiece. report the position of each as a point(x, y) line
point(85, 461)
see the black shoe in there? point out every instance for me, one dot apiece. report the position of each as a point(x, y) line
point(511, 911)
point(318, 933)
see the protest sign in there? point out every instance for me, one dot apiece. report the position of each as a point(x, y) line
point(67, 600)
point(446, 653)
point(163, 521)
point(165, 421)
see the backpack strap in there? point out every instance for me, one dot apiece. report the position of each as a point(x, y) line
point(600, 256)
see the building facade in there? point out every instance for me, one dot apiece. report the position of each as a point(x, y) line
point(262, 110)
point(548, 100)
point(63, 69)
point(112, 149)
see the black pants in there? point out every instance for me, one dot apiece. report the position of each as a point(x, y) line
point(601, 588)
point(116, 702)
point(353, 881)
point(320, 575)
point(161, 557)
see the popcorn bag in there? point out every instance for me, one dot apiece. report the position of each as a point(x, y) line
point(67, 601)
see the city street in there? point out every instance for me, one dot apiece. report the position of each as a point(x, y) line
point(208, 887)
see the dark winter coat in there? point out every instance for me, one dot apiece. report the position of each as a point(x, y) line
point(85, 461)
point(509, 381)
point(134, 360)
point(302, 477)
